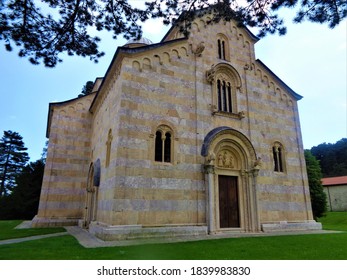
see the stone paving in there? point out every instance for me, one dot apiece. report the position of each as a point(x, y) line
point(29, 238)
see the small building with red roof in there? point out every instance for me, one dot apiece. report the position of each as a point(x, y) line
point(336, 190)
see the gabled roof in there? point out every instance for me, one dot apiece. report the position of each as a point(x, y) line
point(124, 50)
point(334, 181)
point(210, 10)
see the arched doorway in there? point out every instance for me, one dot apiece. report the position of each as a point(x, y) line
point(92, 194)
point(231, 170)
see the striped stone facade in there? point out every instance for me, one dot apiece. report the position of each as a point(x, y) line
point(225, 115)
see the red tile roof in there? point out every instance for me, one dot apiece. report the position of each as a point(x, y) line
point(334, 181)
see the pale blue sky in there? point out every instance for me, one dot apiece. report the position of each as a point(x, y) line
point(311, 59)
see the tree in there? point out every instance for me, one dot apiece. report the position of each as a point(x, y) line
point(332, 158)
point(44, 29)
point(318, 196)
point(23, 202)
point(12, 159)
point(44, 152)
point(87, 89)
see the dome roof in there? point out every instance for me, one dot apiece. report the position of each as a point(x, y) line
point(133, 43)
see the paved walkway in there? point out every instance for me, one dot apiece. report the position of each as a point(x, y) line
point(29, 238)
point(88, 240)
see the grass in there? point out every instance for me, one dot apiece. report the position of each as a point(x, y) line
point(8, 231)
point(295, 247)
point(335, 221)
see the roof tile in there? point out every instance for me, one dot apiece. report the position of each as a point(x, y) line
point(334, 181)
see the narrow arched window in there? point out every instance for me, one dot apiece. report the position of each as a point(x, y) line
point(163, 144)
point(229, 98)
point(219, 49)
point(224, 96)
point(158, 146)
point(167, 147)
point(224, 93)
point(278, 157)
point(223, 50)
point(219, 91)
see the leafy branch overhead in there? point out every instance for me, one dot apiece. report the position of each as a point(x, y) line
point(42, 30)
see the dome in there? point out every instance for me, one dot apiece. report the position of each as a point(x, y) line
point(134, 43)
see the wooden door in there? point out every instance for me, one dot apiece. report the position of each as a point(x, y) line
point(228, 202)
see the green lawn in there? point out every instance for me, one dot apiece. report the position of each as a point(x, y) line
point(303, 247)
point(335, 221)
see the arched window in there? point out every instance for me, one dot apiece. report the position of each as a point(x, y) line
point(278, 157)
point(158, 146)
point(224, 96)
point(226, 85)
point(167, 147)
point(163, 144)
point(222, 47)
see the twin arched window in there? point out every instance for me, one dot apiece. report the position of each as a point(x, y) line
point(278, 157)
point(163, 144)
point(222, 47)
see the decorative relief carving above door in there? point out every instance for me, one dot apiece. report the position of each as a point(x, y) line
point(225, 159)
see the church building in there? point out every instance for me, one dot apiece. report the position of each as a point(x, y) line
point(189, 136)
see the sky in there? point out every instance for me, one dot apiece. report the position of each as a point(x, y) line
point(310, 58)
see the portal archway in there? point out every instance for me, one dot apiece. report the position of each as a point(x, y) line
point(92, 193)
point(231, 170)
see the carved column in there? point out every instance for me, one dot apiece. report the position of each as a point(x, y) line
point(247, 201)
point(254, 200)
point(209, 177)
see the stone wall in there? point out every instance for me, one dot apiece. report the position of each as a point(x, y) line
point(64, 183)
point(336, 197)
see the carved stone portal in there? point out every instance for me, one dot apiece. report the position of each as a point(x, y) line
point(225, 159)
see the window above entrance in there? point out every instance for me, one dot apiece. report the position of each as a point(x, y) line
point(226, 85)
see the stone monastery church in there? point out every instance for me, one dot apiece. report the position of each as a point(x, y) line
point(189, 136)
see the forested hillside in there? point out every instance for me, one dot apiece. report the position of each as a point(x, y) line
point(332, 158)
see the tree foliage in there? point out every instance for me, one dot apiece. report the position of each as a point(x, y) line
point(13, 157)
point(332, 158)
point(23, 202)
point(44, 29)
point(87, 89)
point(318, 196)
